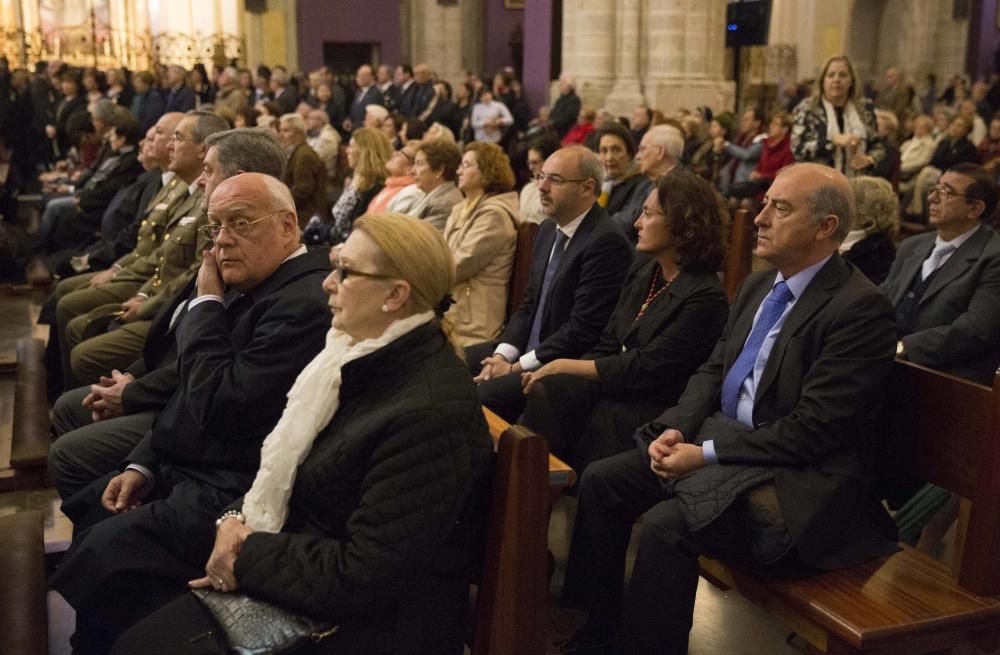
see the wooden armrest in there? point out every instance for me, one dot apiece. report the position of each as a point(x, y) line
point(561, 474)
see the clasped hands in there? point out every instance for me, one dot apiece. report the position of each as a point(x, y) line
point(105, 397)
point(494, 366)
point(670, 457)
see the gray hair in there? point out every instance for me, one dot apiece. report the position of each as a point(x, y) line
point(295, 121)
point(670, 138)
point(319, 113)
point(207, 124)
point(829, 199)
point(588, 166)
point(104, 110)
point(249, 149)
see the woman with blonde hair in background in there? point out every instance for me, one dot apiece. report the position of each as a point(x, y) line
point(367, 154)
point(869, 245)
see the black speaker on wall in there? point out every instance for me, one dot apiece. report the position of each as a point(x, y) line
point(256, 6)
point(747, 22)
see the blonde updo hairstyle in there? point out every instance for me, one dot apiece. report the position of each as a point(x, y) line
point(877, 206)
point(414, 250)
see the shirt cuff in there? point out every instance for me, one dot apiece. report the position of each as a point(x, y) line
point(142, 469)
point(708, 451)
point(200, 299)
point(508, 352)
point(143, 295)
point(529, 362)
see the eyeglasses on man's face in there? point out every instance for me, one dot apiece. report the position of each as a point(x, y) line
point(944, 193)
point(557, 180)
point(239, 226)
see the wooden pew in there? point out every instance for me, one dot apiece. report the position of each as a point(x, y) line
point(30, 437)
point(23, 611)
point(520, 272)
point(513, 596)
point(739, 256)
point(945, 430)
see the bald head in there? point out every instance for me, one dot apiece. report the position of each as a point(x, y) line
point(257, 229)
point(807, 213)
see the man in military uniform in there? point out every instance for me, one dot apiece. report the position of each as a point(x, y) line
point(166, 257)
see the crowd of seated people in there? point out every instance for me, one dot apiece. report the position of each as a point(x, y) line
point(189, 218)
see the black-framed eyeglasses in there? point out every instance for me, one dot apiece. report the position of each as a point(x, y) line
point(944, 193)
point(240, 226)
point(341, 273)
point(558, 180)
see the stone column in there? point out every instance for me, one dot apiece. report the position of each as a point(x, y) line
point(626, 93)
point(589, 45)
point(447, 38)
point(685, 48)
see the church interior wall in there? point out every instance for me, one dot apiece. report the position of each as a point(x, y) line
point(348, 21)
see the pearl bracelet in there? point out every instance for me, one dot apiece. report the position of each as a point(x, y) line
point(231, 514)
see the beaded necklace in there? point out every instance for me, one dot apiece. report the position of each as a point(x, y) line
point(654, 293)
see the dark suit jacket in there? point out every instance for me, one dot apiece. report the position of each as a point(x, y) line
point(235, 364)
point(565, 111)
point(288, 100)
point(357, 112)
point(120, 222)
point(182, 100)
point(583, 292)
point(305, 175)
point(957, 328)
point(873, 255)
point(815, 413)
point(119, 171)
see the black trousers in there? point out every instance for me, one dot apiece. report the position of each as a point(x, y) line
point(654, 615)
point(121, 567)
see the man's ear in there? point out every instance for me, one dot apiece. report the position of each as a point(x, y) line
point(827, 227)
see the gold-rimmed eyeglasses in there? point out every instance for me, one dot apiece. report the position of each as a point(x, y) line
point(240, 226)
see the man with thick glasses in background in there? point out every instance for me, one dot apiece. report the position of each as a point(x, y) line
point(945, 284)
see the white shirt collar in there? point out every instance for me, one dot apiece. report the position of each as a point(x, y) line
point(570, 228)
point(957, 241)
point(166, 176)
point(301, 250)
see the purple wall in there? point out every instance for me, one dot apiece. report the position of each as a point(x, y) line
point(363, 21)
point(537, 51)
point(984, 38)
point(499, 24)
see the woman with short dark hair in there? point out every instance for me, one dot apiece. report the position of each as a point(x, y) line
point(669, 315)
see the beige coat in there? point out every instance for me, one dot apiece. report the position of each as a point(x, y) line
point(482, 244)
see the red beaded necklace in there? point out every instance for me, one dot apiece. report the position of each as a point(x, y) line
point(654, 293)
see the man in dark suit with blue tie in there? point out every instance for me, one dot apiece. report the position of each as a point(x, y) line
point(367, 94)
point(945, 285)
point(579, 262)
point(767, 455)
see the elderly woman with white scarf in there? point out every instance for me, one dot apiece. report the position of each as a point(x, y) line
point(837, 126)
point(362, 513)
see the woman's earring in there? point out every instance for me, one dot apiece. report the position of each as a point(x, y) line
point(385, 309)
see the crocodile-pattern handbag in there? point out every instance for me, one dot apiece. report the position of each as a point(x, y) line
point(255, 627)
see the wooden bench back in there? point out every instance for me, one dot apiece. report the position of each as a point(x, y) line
point(946, 430)
point(739, 256)
point(521, 270)
point(512, 598)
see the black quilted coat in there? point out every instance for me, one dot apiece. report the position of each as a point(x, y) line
point(381, 533)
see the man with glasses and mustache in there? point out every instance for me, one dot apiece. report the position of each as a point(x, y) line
point(258, 316)
point(945, 284)
point(579, 262)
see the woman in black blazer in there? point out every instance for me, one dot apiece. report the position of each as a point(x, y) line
point(669, 315)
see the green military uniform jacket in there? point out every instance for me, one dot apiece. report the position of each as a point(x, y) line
point(152, 226)
point(170, 266)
